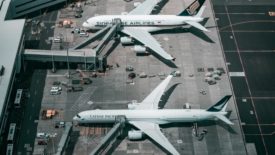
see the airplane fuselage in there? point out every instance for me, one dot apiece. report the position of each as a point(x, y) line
point(160, 116)
point(149, 21)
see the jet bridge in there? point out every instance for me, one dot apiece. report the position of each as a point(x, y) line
point(116, 131)
point(83, 55)
point(76, 54)
point(108, 32)
point(92, 38)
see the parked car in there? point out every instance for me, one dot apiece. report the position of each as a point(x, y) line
point(60, 124)
point(83, 34)
point(55, 90)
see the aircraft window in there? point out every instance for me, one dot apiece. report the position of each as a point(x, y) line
point(78, 116)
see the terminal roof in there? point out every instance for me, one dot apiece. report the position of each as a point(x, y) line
point(11, 32)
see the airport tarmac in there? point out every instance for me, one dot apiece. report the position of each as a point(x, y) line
point(247, 34)
point(196, 53)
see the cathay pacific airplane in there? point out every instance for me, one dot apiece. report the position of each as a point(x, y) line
point(146, 116)
point(138, 24)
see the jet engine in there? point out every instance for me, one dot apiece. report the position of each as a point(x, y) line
point(126, 40)
point(140, 49)
point(135, 135)
point(132, 105)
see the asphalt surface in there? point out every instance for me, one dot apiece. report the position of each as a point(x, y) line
point(247, 35)
point(31, 113)
point(33, 80)
point(219, 140)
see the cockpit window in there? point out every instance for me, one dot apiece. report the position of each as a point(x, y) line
point(78, 116)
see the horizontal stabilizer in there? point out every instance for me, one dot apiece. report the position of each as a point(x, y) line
point(224, 119)
point(196, 25)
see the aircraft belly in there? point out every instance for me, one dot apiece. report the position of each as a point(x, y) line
point(152, 120)
point(98, 120)
point(185, 119)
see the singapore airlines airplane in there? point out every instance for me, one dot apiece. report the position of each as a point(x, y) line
point(138, 24)
point(146, 116)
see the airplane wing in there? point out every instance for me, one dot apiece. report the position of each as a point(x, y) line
point(146, 38)
point(152, 100)
point(145, 8)
point(153, 131)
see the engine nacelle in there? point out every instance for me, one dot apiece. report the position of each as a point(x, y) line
point(136, 4)
point(126, 40)
point(140, 49)
point(135, 135)
point(133, 105)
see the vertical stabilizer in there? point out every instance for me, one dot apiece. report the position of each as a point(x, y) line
point(193, 8)
point(221, 105)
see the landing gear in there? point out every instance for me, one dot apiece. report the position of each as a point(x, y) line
point(197, 134)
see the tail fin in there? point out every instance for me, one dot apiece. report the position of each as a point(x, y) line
point(193, 8)
point(221, 105)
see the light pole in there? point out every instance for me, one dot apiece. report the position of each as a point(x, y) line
point(68, 65)
point(85, 61)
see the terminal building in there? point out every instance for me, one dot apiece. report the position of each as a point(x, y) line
point(12, 47)
point(13, 14)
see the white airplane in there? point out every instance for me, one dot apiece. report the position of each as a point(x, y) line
point(146, 116)
point(138, 24)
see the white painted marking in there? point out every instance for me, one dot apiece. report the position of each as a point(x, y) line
point(56, 75)
point(166, 39)
point(251, 112)
point(246, 13)
point(237, 74)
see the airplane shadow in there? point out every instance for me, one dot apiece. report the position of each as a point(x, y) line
point(166, 96)
point(200, 34)
point(169, 63)
point(72, 142)
point(204, 123)
point(144, 137)
point(159, 7)
point(117, 141)
point(112, 48)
